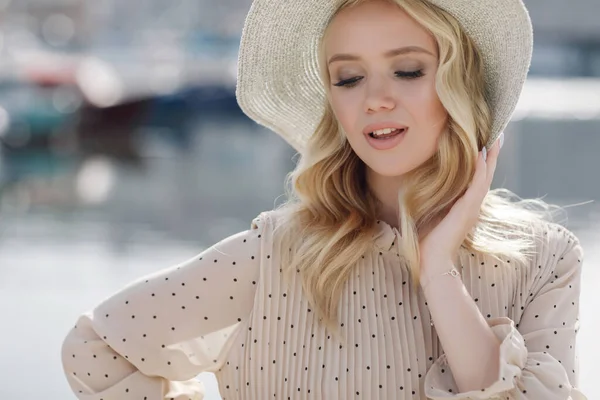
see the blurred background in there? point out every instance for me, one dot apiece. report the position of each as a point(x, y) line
point(123, 151)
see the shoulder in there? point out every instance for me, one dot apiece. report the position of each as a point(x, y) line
point(243, 248)
point(279, 229)
point(558, 250)
point(274, 222)
point(267, 219)
point(554, 238)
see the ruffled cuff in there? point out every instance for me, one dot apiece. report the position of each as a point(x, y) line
point(140, 386)
point(187, 390)
point(440, 384)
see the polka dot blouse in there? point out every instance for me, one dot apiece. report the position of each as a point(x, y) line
point(228, 311)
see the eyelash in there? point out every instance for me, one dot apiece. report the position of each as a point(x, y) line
point(400, 74)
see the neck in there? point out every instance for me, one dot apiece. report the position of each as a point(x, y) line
point(385, 189)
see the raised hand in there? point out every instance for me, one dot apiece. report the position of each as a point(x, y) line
point(444, 240)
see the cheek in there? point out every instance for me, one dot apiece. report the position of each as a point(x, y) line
point(427, 110)
point(346, 107)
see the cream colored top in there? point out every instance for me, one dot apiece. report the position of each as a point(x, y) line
point(228, 311)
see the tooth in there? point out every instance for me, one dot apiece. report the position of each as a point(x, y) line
point(384, 131)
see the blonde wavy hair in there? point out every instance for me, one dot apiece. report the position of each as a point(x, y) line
point(331, 209)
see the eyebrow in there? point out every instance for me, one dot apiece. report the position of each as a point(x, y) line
point(387, 54)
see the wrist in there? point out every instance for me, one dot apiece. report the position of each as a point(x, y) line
point(437, 270)
point(451, 273)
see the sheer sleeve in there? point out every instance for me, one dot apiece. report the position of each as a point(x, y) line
point(153, 337)
point(538, 358)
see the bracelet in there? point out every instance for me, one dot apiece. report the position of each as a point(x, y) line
point(453, 272)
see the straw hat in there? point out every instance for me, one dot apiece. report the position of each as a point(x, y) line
point(279, 85)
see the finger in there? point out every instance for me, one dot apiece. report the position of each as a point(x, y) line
point(483, 184)
point(471, 200)
point(477, 186)
point(492, 162)
point(479, 165)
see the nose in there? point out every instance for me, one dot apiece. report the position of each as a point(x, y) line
point(379, 97)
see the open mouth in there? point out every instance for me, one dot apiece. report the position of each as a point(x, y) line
point(387, 135)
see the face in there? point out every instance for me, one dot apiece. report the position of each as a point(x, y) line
point(382, 67)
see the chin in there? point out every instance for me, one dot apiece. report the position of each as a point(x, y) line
point(390, 166)
point(388, 171)
point(393, 163)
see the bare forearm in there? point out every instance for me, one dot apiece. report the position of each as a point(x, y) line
point(471, 348)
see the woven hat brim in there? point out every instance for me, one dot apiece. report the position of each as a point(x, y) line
point(278, 81)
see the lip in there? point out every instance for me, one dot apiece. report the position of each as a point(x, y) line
point(381, 125)
point(386, 144)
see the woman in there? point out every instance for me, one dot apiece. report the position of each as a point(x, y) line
point(392, 272)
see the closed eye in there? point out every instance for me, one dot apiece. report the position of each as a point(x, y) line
point(410, 75)
point(351, 82)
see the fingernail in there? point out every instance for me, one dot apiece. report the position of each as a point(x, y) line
point(501, 139)
point(484, 152)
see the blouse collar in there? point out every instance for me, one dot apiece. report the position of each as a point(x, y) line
point(385, 236)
